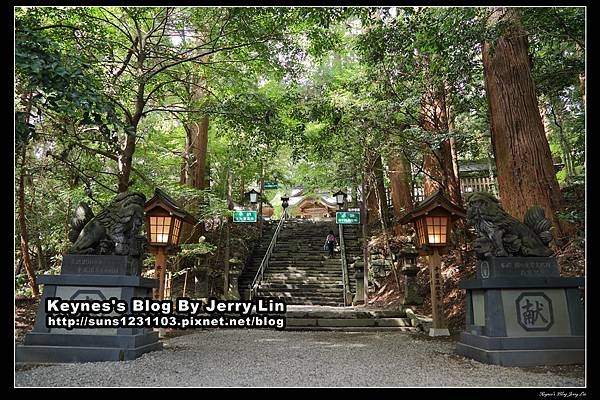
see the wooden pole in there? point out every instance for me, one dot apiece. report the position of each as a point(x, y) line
point(184, 284)
point(160, 267)
point(363, 216)
point(228, 234)
point(437, 295)
point(262, 190)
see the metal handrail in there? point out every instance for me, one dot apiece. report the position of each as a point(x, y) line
point(345, 280)
point(265, 261)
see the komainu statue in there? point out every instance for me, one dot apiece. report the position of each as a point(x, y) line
point(113, 231)
point(501, 235)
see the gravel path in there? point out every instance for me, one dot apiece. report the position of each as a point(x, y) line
point(266, 358)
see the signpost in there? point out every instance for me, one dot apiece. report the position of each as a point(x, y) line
point(271, 185)
point(244, 216)
point(347, 217)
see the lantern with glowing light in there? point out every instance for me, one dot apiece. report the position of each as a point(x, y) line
point(433, 219)
point(164, 219)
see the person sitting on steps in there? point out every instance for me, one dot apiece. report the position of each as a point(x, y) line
point(331, 242)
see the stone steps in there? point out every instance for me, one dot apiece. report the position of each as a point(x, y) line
point(302, 298)
point(303, 263)
point(302, 267)
point(304, 283)
point(297, 286)
point(317, 302)
point(299, 270)
point(298, 297)
point(303, 278)
point(351, 328)
point(303, 290)
point(348, 322)
point(346, 319)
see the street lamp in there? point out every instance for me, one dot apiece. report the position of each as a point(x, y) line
point(285, 203)
point(163, 222)
point(433, 219)
point(253, 195)
point(340, 198)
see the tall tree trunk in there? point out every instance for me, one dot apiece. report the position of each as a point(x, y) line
point(242, 192)
point(199, 148)
point(40, 253)
point(582, 89)
point(524, 165)
point(195, 154)
point(580, 53)
point(228, 233)
point(400, 187)
point(364, 215)
point(453, 144)
point(380, 193)
point(126, 160)
point(376, 199)
point(438, 161)
point(386, 241)
point(454, 155)
point(23, 227)
point(260, 200)
point(183, 172)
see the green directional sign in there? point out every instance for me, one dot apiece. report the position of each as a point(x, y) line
point(244, 216)
point(271, 185)
point(347, 217)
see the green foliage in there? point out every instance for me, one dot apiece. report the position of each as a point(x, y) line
point(294, 95)
point(194, 250)
point(51, 79)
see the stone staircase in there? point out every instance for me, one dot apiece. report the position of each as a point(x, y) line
point(300, 271)
point(353, 319)
point(249, 272)
point(354, 249)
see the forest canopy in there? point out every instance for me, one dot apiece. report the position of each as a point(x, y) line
point(209, 102)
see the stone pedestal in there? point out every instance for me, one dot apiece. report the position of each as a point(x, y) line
point(521, 312)
point(359, 297)
point(411, 296)
point(89, 277)
point(234, 275)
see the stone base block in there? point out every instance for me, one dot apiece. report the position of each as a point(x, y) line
point(69, 354)
point(439, 332)
point(522, 351)
point(47, 344)
point(43, 348)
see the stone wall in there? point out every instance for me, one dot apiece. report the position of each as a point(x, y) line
point(379, 266)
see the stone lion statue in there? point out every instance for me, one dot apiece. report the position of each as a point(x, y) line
point(113, 231)
point(502, 235)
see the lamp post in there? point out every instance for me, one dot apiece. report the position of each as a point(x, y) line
point(340, 198)
point(253, 197)
point(285, 204)
point(163, 222)
point(433, 219)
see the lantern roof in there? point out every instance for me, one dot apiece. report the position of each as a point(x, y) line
point(164, 201)
point(434, 201)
